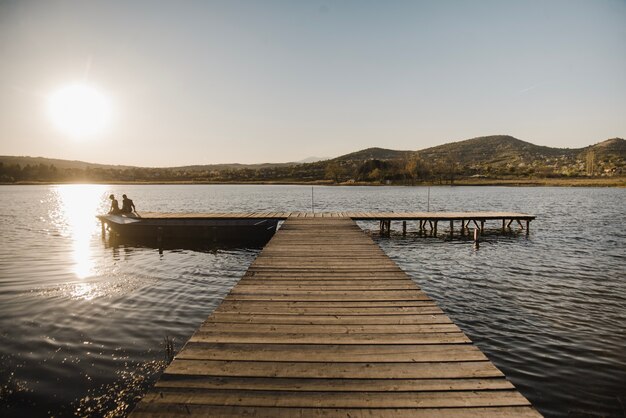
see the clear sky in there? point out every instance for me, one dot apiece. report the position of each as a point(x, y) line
point(198, 82)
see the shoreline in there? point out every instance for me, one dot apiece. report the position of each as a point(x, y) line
point(617, 182)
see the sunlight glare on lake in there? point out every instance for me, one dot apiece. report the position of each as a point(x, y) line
point(77, 207)
point(79, 110)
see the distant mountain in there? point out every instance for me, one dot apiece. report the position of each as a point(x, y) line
point(614, 147)
point(230, 166)
point(312, 160)
point(374, 153)
point(504, 149)
point(496, 149)
point(58, 163)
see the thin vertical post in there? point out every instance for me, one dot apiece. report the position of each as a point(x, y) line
point(403, 227)
point(482, 227)
point(527, 226)
point(160, 239)
point(451, 227)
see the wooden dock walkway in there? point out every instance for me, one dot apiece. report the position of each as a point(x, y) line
point(431, 219)
point(357, 216)
point(324, 324)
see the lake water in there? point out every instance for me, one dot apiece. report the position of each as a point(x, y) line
point(83, 323)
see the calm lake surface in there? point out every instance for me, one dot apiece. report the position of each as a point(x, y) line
point(83, 323)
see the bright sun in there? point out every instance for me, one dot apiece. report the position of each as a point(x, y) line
point(79, 110)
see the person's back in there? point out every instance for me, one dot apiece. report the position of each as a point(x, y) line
point(127, 205)
point(115, 206)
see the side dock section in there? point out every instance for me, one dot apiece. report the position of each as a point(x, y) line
point(324, 324)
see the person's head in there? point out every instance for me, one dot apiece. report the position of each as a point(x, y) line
point(111, 197)
point(124, 196)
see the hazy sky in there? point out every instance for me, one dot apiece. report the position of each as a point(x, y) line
point(195, 82)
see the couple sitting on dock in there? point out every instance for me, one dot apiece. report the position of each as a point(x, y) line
point(127, 205)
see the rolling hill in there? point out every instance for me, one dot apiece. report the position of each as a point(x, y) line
point(497, 156)
point(500, 150)
point(374, 153)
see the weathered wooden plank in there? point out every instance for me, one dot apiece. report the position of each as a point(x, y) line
point(155, 410)
point(250, 285)
point(335, 385)
point(294, 399)
point(219, 317)
point(391, 353)
point(326, 338)
point(406, 306)
point(336, 370)
point(327, 328)
point(327, 296)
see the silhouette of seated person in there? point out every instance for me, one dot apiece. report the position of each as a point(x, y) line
point(115, 206)
point(127, 205)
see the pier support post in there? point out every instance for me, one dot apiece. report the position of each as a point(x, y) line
point(385, 227)
point(160, 239)
point(403, 227)
point(482, 227)
point(435, 228)
point(527, 226)
point(451, 227)
point(503, 224)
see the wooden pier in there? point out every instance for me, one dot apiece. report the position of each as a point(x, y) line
point(324, 324)
point(425, 220)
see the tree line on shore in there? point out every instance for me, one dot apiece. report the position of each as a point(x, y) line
point(410, 170)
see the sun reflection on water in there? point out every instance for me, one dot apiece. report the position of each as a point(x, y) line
point(75, 211)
